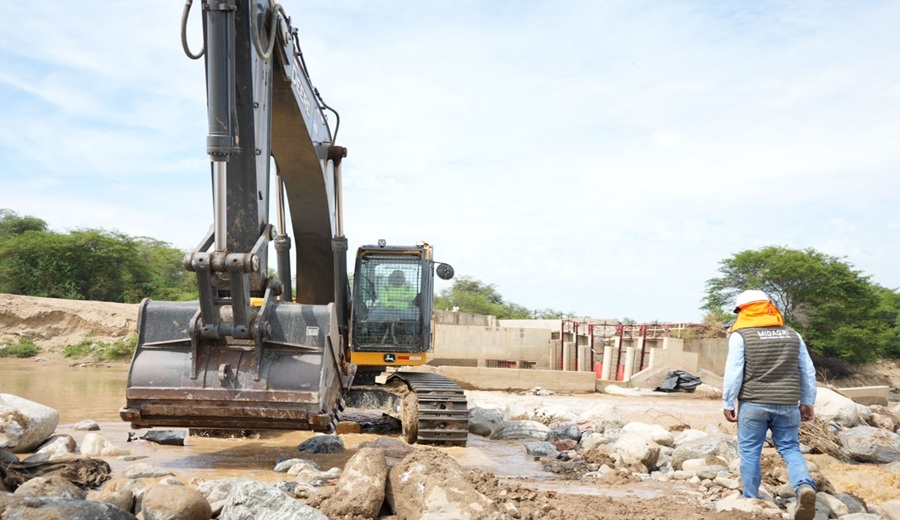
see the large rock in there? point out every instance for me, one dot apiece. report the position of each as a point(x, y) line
point(48, 508)
point(51, 486)
point(428, 484)
point(552, 414)
point(486, 413)
point(144, 470)
point(252, 500)
point(636, 449)
point(604, 416)
point(890, 510)
point(121, 498)
point(361, 488)
point(654, 432)
point(57, 447)
point(720, 445)
point(175, 503)
point(832, 406)
point(24, 424)
point(96, 445)
point(522, 430)
point(541, 449)
point(392, 448)
point(756, 507)
point(868, 444)
point(218, 490)
point(323, 444)
point(689, 435)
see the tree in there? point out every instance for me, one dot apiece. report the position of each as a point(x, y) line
point(836, 308)
point(11, 224)
point(476, 297)
point(88, 264)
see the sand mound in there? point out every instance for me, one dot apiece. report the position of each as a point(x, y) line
point(53, 324)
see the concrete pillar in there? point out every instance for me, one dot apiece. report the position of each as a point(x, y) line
point(568, 355)
point(584, 359)
point(608, 362)
point(629, 364)
point(555, 354)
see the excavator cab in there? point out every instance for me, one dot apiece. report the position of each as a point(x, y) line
point(392, 304)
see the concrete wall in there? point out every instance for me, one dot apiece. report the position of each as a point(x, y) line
point(511, 379)
point(489, 344)
point(711, 353)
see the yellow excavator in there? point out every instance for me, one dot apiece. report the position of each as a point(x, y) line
point(276, 352)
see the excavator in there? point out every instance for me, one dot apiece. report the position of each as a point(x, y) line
point(263, 349)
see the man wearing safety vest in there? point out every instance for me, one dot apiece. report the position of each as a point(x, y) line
point(769, 372)
point(396, 294)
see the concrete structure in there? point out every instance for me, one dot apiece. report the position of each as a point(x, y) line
point(590, 350)
point(868, 395)
point(711, 353)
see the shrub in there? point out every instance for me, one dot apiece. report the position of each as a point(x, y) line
point(25, 348)
point(102, 351)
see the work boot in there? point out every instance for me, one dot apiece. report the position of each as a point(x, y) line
point(806, 503)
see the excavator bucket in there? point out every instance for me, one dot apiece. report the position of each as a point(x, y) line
point(290, 380)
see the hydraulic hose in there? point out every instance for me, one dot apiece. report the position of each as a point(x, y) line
point(273, 26)
point(184, 42)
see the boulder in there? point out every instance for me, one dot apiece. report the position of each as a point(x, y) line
point(392, 448)
point(55, 448)
point(552, 414)
point(51, 486)
point(854, 504)
point(24, 424)
point(218, 490)
point(832, 406)
point(756, 507)
point(604, 416)
point(541, 449)
point(121, 498)
point(637, 450)
point(360, 490)
point(323, 444)
point(890, 510)
point(95, 445)
point(521, 430)
point(590, 440)
point(316, 478)
point(486, 413)
point(87, 425)
point(564, 444)
point(250, 500)
point(708, 472)
point(481, 429)
point(571, 431)
point(893, 467)
point(175, 503)
point(430, 484)
point(834, 504)
point(287, 466)
point(32, 507)
point(654, 432)
point(689, 435)
point(720, 445)
point(868, 444)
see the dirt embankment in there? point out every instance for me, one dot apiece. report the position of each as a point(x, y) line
point(53, 324)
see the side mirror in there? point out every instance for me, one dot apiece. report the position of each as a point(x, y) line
point(444, 271)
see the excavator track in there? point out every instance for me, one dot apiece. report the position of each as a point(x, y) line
point(443, 413)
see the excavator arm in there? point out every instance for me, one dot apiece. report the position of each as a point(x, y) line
point(223, 362)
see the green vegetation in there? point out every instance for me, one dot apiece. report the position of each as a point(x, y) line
point(839, 311)
point(476, 297)
point(102, 351)
point(25, 348)
point(88, 264)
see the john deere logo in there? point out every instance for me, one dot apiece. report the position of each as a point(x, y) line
point(390, 358)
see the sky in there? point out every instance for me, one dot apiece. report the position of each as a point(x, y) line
point(594, 157)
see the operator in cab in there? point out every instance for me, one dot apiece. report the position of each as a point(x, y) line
point(397, 294)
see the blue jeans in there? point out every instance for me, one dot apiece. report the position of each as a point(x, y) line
point(754, 420)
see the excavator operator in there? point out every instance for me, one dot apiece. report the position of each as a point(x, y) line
point(397, 294)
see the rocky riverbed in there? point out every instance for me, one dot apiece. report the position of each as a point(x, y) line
point(590, 456)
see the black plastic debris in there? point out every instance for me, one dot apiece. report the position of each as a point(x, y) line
point(679, 381)
point(166, 437)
